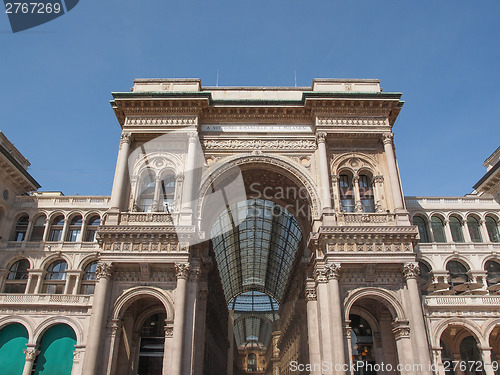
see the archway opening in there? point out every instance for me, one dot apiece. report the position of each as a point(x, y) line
point(460, 354)
point(56, 351)
point(140, 340)
point(13, 340)
point(255, 245)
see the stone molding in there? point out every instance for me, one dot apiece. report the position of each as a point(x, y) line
point(356, 121)
point(162, 121)
point(259, 144)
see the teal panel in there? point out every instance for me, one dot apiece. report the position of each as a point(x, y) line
point(56, 351)
point(13, 340)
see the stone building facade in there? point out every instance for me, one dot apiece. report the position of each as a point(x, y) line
point(250, 230)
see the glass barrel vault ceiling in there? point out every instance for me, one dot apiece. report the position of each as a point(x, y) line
point(255, 259)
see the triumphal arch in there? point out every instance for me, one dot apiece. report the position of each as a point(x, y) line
point(256, 230)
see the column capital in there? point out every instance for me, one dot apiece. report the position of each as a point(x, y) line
point(401, 329)
point(320, 137)
point(125, 138)
point(378, 179)
point(169, 331)
point(103, 270)
point(387, 138)
point(311, 294)
point(31, 354)
point(332, 271)
point(182, 270)
point(116, 327)
point(320, 275)
point(411, 270)
point(192, 137)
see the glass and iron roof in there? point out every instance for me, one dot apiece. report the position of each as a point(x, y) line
point(252, 329)
point(257, 254)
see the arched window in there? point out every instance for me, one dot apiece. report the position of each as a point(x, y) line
point(147, 192)
point(56, 228)
point(366, 193)
point(422, 228)
point(492, 227)
point(458, 273)
point(346, 193)
point(75, 229)
point(38, 228)
point(456, 229)
point(167, 193)
point(92, 226)
point(438, 229)
point(21, 228)
point(56, 277)
point(474, 229)
point(17, 277)
point(252, 362)
point(425, 276)
point(88, 279)
point(493, 269)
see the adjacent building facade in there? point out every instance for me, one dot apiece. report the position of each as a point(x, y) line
point(250, 230)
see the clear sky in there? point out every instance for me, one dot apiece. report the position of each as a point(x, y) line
point(443, 55)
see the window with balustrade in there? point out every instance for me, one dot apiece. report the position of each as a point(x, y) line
point(17, 277)
point(492, 228)
point(55, 279)
point(56, 228)
point(421, 224)
point(75, 229)
point(21, 228)
point(92, 226)
point(38, 228)
point(89, 278)
point(438, 229)
point(456, 229)
point(346, 192)
point(366, 193)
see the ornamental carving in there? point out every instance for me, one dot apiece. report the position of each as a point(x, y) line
point(103, 269)
point(411, 270)
point(320, 275)
point(350, 121)
point(182, 270)
point(31, 354)
point(332, 271)
point(163, 121)
point(321, 137)
point(125, 138)
point(169, 332)
point(387, 138)
point(252, 144)
point(311, 294)
point(401, 330)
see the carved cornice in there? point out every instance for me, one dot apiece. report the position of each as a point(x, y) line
point(411, 270)
point(162, 121)
point(103, 270)
point(352, 121)
point(253, 144)
point(182, 270)
point(250, 114)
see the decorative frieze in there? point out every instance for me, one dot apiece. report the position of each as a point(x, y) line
point(259, 144)
point(331, 121)
point(162, 121)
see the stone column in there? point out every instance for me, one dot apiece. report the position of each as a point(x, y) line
point(387, 140)
point(313, 327)
point(29, 283)
point(121, 172)
point(447, 230)
point(336, 192)
point(465, 230)
point(410, 273)
point(458, 358)
point(358, 207)
point(169, 334)
point(31, 354)
point(486, 358)
point(97, 323)
point(348, 346)
point(200, 324)
point(182, 270)
point(3, 276)
point(378, 192)
point(484, 231)
point(323, 170)
point(438, 361)
point(428, 226)
point(78, 282)
point(156, 197)
point(325, 319)
point(40, 274)
point(332, 273)
point(189, 172)
point(401, 331)
point(116, 331)
point(77, 357)
point(230, 338)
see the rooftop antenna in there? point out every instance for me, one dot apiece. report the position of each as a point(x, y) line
point(217, 83)
point(295, 74)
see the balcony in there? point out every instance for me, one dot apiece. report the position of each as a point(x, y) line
point(46, 299)
point(363, 218)
point(462, 301)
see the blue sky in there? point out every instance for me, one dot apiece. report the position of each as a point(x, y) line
point(443, 55)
